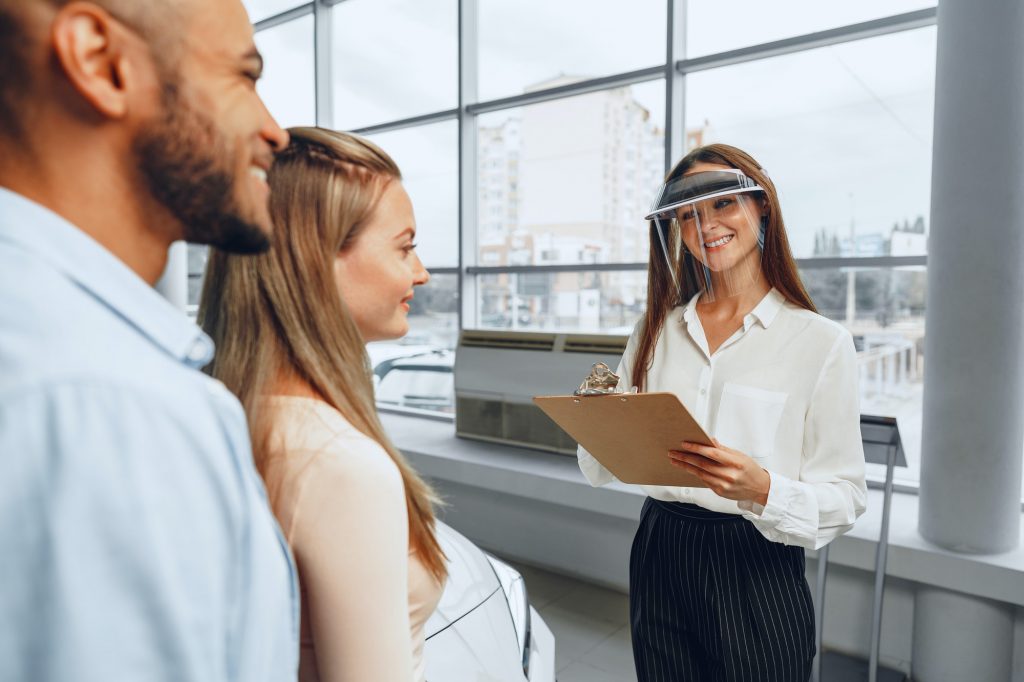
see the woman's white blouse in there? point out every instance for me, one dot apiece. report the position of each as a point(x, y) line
point(783, 390)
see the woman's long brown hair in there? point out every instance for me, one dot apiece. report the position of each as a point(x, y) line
point(776, 259)
point(280, 313)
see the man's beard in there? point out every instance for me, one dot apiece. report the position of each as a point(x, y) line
point(186, 164)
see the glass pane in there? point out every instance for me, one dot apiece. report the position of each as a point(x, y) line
point(428, 157)
point(713, 26)
point(416, 370)
point(533, 44)
point(884, 310)
point(422, 383)
point(288, 86)
point(197, 255)
point(263, 9)
point(393, 59)
point(569, 181)
point(603, 302)
point(845, 133)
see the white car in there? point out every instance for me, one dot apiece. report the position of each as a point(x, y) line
point(413, 376)
point(484, 629)
point(422, 382)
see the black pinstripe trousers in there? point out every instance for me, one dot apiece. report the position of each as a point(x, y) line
point(712, 600)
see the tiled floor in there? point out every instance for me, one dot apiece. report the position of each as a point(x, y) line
point(590, 624)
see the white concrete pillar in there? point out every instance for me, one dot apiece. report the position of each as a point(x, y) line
point(973, 435)
point(958, 637)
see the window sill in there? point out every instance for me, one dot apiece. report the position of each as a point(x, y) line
point(533, 475)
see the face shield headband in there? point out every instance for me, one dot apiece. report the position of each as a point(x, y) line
point(711, 231)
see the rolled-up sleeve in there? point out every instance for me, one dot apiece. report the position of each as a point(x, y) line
point(831, 492)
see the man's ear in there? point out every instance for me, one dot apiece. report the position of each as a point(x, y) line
point(91, 47)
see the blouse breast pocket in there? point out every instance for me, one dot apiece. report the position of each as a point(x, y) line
point(748, 419)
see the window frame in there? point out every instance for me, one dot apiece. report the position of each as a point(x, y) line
point(673, 72)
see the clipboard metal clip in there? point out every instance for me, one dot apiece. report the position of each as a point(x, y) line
point(601, 381)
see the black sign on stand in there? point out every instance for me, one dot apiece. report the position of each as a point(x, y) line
point(882, 445)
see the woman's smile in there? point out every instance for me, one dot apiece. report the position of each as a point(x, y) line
point(718, 243)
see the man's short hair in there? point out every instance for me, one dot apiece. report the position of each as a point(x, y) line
point(155, 20)
point(14, 76)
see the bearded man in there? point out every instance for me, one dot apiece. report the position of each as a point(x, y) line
point(135, 538)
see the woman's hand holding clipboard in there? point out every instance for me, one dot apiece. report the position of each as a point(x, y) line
point(630, 434)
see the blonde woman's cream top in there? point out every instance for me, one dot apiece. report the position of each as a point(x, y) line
point(340, 500)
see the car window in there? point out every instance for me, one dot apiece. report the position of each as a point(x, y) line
point(425, 389)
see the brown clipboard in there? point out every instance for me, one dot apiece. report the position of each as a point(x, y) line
point(630, 433)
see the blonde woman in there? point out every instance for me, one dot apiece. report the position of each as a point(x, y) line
point(290, 328)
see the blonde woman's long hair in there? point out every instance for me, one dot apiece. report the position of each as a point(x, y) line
point(280, 312)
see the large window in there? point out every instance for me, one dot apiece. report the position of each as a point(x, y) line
point(261, 10)
point(845, 136)
point(288, 85)
point(531, 45)
point(393, 59)
point(531, 163)
point(588, 301)
point(568, 181)
point(884, 308)
point(428, 157)
point(714, 27)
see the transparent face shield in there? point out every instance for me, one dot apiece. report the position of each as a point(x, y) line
point(711, 231)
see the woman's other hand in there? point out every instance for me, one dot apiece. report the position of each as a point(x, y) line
point(729, 473)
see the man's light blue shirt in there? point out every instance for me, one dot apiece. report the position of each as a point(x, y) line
point(136, 542)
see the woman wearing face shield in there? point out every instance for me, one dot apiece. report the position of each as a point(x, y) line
point(717, 586)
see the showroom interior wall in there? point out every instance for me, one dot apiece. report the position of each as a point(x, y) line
point(467, 102)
